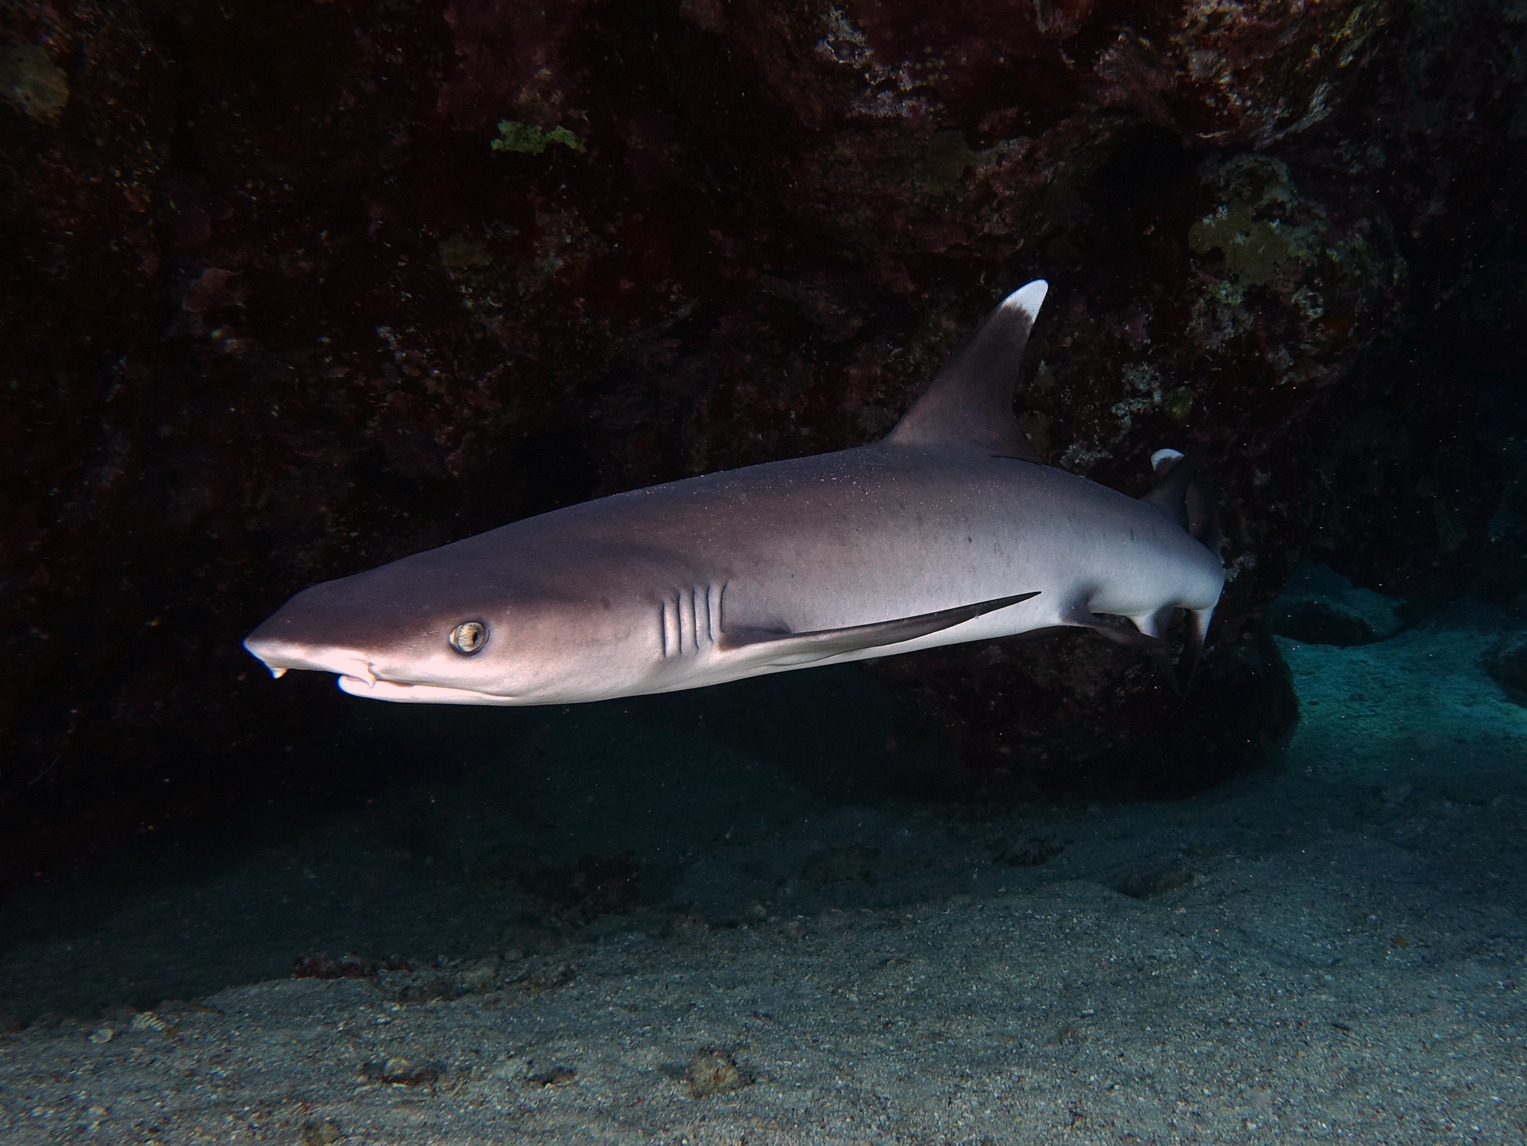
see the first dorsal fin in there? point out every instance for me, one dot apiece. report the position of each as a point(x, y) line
point(970, 401)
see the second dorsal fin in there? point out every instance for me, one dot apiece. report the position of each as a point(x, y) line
point(970, 401)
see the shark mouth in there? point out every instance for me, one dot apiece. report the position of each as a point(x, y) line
point(371, 688)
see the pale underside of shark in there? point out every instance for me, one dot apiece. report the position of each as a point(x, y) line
point(947, 530)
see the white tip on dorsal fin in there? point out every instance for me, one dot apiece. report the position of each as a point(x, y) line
point(970, 401)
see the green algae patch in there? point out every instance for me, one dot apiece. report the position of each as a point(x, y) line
point(1254, 248)
point(462, 253)
point(1354, 33)
point(1178, 403)
point(530, 139)
point(945, 162)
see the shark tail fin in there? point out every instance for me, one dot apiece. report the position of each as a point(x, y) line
point(1176, 674)
point(1183, 491)
point(1192, 654)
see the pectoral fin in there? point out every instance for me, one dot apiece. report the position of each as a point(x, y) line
point(780, 649)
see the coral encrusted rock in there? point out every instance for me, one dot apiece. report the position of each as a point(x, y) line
point(293, 289)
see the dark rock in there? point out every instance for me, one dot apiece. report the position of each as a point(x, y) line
point(551, 977)
point(399, 1071)
point(1026, 714)
point(324, 1132)
point(840, 865)
point(609, 884)
point(528, 868)
point(714, 1071)
point(556, 1076)
point(1147, 881)
point(430, 989)
point(1506, 661)
point(350, 966)
point(1034, 851)
point(324, 966)
point(1321, 607)
point(275, 309)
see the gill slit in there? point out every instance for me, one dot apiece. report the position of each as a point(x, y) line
point(691, 621)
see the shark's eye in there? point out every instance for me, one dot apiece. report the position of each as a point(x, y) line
point(469, 637)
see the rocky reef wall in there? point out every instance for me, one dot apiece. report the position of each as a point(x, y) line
point(291, 289)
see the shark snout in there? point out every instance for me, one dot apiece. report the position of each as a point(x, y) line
point(280, 655)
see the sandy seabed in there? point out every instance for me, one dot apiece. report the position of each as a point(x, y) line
point(1333, 950)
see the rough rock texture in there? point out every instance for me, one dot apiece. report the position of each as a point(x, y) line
point(1506, 661)
point(292, 289)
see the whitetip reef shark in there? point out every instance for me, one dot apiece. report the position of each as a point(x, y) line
point(949, 529)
